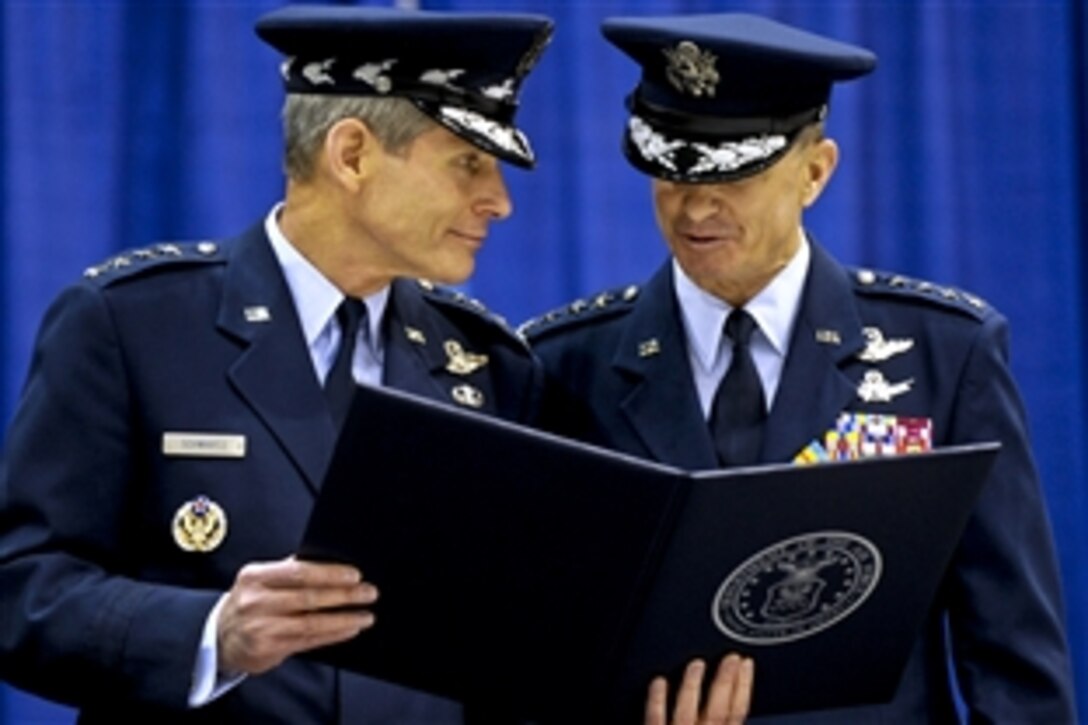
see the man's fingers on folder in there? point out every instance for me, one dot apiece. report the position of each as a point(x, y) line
point(730, 693)
point(727, 701)
point(276, 609)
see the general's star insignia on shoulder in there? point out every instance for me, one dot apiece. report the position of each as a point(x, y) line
point(459, 300)
point(598, 306)
point(139, 260)
point(870, 281)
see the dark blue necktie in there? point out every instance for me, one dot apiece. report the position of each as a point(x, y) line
point(739, 410)
point(339, 383)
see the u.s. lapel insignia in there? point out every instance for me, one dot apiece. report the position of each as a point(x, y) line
point(257, 313)
point(828, 337)
point(875, 388)
point(200, 525)
point(878, 348)
point(415, 335)
point(468, 396)
point(460, 361)
point(650, 347)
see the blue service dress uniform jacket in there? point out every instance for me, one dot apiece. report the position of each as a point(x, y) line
point(99, 606)
point(617, 374)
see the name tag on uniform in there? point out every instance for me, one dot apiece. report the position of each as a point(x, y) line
point(204, 445)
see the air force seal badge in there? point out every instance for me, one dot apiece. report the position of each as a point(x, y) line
point(797, 587)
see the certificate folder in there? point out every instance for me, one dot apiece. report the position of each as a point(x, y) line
point(552, 579)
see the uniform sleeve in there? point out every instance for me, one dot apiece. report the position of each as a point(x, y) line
point(73, 626)
point(1006, 616)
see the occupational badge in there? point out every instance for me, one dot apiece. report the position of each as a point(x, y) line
point(878, 348)
point(461, 362)
point(199, 525)
point(468, 396)
point(875, 388)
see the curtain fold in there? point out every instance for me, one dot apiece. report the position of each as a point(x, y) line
point(964, 161)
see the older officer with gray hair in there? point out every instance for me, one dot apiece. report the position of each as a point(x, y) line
point(184, 399)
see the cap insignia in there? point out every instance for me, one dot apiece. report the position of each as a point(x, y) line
point(442, 78)
point(691, 70)
point(654, 147)
point(733, 155)
point(460, 361)
point(504, 136)
point(710, 158)
point(199, 525)
point(317, 73)
point(502, 92)
point(373, 75)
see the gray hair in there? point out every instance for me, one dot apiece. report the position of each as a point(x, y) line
point(308, 117)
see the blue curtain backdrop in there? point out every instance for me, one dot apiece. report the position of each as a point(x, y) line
point(964, 160)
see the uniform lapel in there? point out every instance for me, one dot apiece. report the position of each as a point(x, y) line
point(274, 373)
point(415, 355)
point(814, 389)
point(661, 404)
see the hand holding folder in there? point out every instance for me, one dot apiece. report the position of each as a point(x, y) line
point(550, 577)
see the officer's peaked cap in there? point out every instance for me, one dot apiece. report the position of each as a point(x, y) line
point(464, 70)
point(724, 96)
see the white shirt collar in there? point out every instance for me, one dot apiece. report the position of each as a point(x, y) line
point(315, 297)
point(774, 309)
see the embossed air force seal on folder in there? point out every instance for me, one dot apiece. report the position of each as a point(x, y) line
point(797, 587)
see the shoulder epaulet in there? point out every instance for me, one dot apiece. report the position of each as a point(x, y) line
point(138, 261)
point(869, 281)
point(600, 306)
point(458, 300)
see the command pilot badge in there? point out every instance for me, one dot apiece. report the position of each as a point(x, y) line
point(462, 362)
point(878, 348)
point(199, 525)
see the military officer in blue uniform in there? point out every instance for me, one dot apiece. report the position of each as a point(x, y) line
point(177, 419)
point(752, 344)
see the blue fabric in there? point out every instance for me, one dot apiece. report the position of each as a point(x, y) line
point(964, 161)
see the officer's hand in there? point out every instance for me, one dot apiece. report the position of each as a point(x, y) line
point(727, 702)
point(276, 609)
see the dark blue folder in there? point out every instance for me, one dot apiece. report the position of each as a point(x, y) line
point(553, 579)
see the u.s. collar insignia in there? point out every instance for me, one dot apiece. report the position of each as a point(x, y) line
point(461, 362)
point(878, 348)
point(468, 396)
point(648, 348)
point(875, 388)
point(691, 70)
point(199, 525)
point(257, 313)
